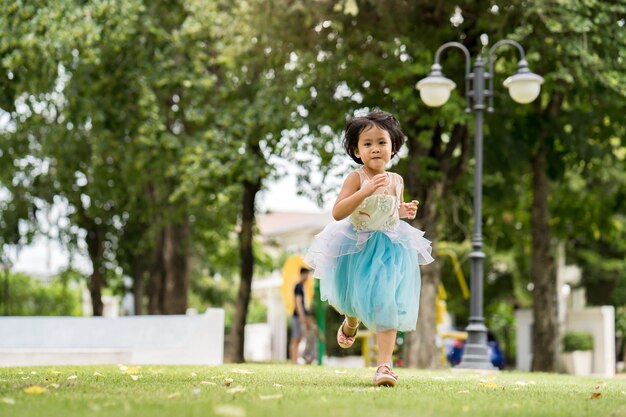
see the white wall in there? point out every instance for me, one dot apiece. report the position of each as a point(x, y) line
point(599, 321)
point(257, 342)
point(175, 340)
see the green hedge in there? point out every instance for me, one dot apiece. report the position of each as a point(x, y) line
point(577, 341)
point(29, 296)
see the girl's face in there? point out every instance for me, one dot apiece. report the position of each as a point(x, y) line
point(374, 148)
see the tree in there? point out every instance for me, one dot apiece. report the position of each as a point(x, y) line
point(250, 87)
point(564, 37)
point(104, 115)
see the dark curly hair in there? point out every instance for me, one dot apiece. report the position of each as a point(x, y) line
point(378, 118)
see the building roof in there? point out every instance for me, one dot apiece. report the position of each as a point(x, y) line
point(283, 222)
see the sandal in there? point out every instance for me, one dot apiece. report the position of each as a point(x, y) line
point(343, 340)
point(384, 376)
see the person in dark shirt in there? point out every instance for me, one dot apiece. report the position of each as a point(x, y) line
point(298, 319)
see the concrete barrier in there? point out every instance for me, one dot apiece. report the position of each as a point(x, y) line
point(136, 340)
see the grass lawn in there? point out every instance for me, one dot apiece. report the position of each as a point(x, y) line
point(285, 390)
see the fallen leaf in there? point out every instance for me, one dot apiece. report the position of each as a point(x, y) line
point(228, 381)
point(7, 400)
point(129, 369)
point(489, 384)
point(271, 397)
point(34, 389)
point(241, 371)
point(229, 411)
point(595, 396)
point(236, 390)
point(208, 383)
point(72, 377)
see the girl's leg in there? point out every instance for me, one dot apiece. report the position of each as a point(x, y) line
point(350, 328)
point(386, 341)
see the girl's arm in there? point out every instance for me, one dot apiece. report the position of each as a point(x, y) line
point(408, 210)
point(351, 196)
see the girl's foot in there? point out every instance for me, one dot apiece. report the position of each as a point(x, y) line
point(344, 340)
point(384, 376)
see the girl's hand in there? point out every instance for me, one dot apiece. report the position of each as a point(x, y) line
point(408, 210)
point(377, 181)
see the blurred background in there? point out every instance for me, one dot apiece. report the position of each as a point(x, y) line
point(166, 157)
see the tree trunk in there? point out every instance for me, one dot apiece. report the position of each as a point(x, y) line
point(420, 348)
point(168, 283)
point(246, 266)
point(95, 247)
point(155, 282)
point(175, 262)
point(138, 284)
point(545, 331)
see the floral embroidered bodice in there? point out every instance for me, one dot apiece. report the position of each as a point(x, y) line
point(380, 210)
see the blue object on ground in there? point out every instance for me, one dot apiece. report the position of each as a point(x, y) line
point(455, 353)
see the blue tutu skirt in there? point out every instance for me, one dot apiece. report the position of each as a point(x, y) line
point(372, 275)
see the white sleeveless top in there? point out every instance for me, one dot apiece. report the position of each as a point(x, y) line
point(380, 210)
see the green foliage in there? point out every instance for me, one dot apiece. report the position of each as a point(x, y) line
point(620, 332)
point(620, 322)
point(136, 117)
point(501, 322)
point(28, 296)
point(257, 312)
point(577, 341)
point(221, 293)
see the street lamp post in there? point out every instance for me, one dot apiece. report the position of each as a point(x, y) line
point(435, 90)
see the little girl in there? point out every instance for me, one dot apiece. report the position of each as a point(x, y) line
point(368, 260)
